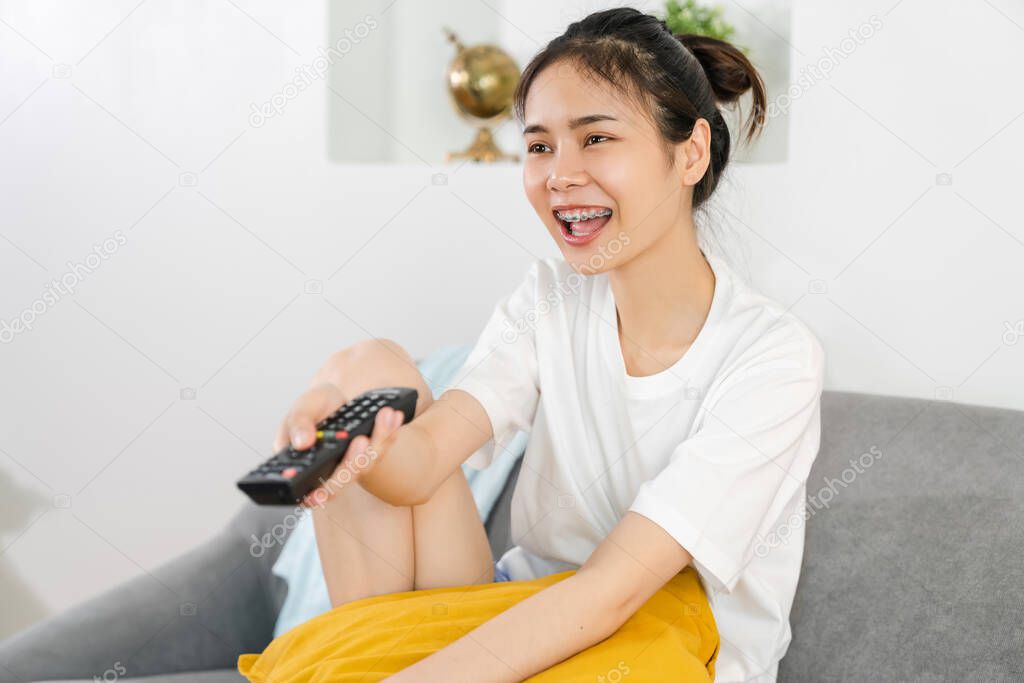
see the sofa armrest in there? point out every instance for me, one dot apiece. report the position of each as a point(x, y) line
point(198, 611)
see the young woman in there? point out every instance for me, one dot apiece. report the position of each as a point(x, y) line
point(673, 411)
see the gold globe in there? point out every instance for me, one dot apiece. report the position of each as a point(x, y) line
point(481, 83)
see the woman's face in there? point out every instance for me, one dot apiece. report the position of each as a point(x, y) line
point(586, 148)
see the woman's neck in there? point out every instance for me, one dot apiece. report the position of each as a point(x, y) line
point(663, 297)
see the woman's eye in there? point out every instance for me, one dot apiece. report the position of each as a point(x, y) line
point(531, 149)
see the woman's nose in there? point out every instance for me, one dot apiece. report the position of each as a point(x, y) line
point(561, 179)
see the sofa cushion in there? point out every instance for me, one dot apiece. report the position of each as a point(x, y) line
point(217, 676)
point(912, 566)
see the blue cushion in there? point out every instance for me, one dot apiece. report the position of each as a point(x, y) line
point(299, 562)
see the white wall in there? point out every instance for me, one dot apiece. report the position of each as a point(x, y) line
point(107, 471)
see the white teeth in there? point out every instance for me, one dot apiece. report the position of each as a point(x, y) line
point(573, 216)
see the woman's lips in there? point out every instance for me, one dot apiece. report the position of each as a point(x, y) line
point(593, 228)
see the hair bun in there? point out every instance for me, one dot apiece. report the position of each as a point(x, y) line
point(730, 74)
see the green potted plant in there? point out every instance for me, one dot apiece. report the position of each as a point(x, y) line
point(689, 16)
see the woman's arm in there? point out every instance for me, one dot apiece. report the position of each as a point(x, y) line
point(633, 562)
point(422, 454)
point(407, 464)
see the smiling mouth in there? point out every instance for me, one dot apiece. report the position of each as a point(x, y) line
point(583, 228)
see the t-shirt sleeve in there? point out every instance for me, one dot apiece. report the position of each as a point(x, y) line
point(501, 370)
point(759, 427)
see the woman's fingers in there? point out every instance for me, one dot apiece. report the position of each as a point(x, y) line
point(299, 427)
point(338, 478)
point(359, 456)
point(383, 427)
point(281, 438)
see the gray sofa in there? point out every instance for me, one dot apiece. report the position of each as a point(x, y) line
point(912, 567)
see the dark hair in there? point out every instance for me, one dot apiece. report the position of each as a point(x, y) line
point(680, 78)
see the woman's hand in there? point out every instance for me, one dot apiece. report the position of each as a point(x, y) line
point(360, 456)
point(299, 430)
point(299, 426)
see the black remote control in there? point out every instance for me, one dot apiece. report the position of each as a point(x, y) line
point(290, 474)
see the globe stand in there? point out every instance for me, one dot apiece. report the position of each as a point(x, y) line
point(482, 81)
point(483, 149)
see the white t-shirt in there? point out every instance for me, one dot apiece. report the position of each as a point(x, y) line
point(716, 449)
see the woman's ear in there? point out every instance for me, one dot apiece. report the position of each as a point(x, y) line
point(694, 155)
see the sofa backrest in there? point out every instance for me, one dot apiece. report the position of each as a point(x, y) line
point(912, 571)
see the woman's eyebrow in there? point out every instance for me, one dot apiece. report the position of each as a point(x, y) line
point(573, 123)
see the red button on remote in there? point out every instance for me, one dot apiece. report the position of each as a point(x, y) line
point(341, 435)
point(289, 473)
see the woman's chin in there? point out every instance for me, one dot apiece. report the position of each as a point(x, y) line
point(585, 265)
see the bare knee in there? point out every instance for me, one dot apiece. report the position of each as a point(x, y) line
point(385, 348)
point(375, 350)
point(377, 362)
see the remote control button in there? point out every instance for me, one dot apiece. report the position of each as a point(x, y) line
point(341, 435)
point(289, 473)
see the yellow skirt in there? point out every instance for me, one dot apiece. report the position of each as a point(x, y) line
point(673, 637)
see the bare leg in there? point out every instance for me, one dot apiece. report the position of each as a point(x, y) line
point(451, 542)
point(369, 547)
